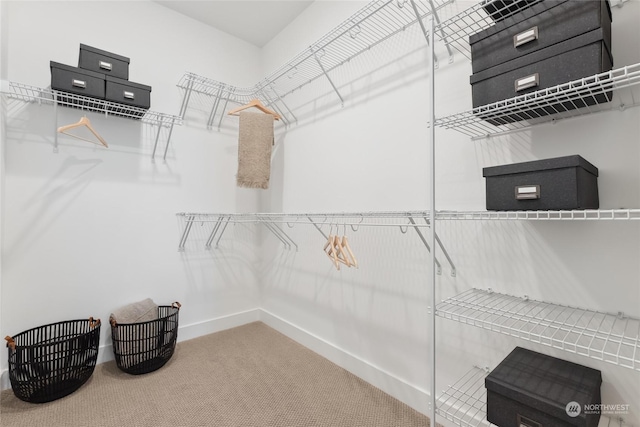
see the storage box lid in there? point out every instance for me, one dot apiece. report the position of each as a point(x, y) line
point(104, 53)
point(545, 383)
point(524, 14)
point(76, 70)
point(541, 165)
point(529, 12)
point(542, 54)
point(128, 83)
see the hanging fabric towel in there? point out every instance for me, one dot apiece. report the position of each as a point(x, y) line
point(254, 149)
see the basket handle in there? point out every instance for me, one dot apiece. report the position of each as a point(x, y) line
point(93, 323)
point(113, 322)
point(176, 305)
point(10, 342)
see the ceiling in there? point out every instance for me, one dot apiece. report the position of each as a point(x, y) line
point(254, 21)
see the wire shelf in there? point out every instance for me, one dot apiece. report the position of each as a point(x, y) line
point(606, 337)
point(47, 96)
point(464, 402)
point(456, 30)
point(576, 98)
point(370, 26)
point(578, 215)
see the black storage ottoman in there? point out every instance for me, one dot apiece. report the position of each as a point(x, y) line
point(52, 361)
point(536, 390)
point(144, 347)
point(561, 183)
point(101, 61)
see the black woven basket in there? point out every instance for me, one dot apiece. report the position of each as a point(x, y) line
point(143, 347)
point(52, 361)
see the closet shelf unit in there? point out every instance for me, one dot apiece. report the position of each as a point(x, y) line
point(612, 338)
point(334, 222)
point(463, 403)
point(371, 25)
point(561, 99)
point(47, 96)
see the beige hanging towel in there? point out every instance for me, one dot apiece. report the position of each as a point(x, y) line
point(254, 149)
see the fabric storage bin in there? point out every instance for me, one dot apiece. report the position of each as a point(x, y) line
point(576, 58)
point(130, 94)
point(537, 27)
point(52, 361)
point(536, 390)
point(560, 183)
point(144, 347)
point(77, 80)
point(500, 9)
point(103, 62)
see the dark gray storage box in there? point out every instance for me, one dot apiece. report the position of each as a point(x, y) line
point(561, 183)
point(573, 59)
point(68, 79)
point(500, 9)
point(129, 93)
point(539, 26)
point(104, 62)
point(536, 390)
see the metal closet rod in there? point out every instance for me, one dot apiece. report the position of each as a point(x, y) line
point(333, 219)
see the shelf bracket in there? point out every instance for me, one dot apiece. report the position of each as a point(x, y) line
point(324, 71)
point(318, 228)
point(444, 251)
point(434, 10)
point(214, 231)
point(424, 30)
point(214, 109)
point(274, 106)
point(279, 233)
point(185, 232)
point(226, 102)
point(279, 98)
point(185, 99)
point(424, 241)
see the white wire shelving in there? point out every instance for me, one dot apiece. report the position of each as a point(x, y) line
point(568, 215)
point(576, 98)
point(47, 96)
point(611, 338)
point(464, 402)
point(373, 24)
point(277, 223)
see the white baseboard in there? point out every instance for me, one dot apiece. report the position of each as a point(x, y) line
point(410, 394)
point(185, 332)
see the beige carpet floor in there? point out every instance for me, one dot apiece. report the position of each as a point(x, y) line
point(250, 376)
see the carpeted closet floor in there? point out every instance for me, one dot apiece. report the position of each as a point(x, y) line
point(250, 376)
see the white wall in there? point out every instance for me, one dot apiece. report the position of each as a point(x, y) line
point(90, 229)
point(371, 155)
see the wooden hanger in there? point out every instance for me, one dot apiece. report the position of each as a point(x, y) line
point(256, 104)
point(330, 250)
point(83, 122)
point(341, 254)
point(345, 244)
